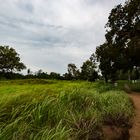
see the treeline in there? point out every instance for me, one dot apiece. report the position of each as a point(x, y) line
point(87, 72)
point(10, 64)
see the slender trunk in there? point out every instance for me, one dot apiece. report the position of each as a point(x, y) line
point(106, 79)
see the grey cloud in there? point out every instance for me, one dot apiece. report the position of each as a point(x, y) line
point(50, 34)
point(25, 6)
point(104, 2)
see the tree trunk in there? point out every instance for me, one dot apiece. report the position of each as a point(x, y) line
point(106, 79)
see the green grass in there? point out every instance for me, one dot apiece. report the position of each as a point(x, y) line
point(60, 110)
point(132, 86)
point(135, 86)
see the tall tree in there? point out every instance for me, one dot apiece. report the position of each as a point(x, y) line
point(104, 57)
point(10, 60)
point(124, 32)
point(88, 71)
point(73, 71)
point(122, 46)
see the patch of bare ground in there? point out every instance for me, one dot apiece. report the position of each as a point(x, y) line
point(135, 130)
point(115, 133)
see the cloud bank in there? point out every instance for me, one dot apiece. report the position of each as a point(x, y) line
point(49, 34)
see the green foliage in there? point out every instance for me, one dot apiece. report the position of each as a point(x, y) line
point(104, 57)
point(122, 46)
point(73, 72)
point(135, 86)
point(56, 110)
point(9, 60)
point(88, 71)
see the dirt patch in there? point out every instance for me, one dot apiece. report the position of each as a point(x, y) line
point(135, 130)
point(115, 133)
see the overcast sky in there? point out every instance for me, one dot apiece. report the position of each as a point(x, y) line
point(49, 34)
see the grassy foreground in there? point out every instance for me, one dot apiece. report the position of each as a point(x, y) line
point(60, 110)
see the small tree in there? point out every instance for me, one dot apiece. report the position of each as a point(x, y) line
point(10, 60)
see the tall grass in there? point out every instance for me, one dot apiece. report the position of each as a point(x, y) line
point(129, 85)
point(135, 86)
point(60, 110)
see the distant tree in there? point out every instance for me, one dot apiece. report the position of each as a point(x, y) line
point(66, 76)
point(73, 71)
point(88, 71)
point(28, 71)
point(10, 60)
point(43, 75)
point(54, 75)
point(40, 74)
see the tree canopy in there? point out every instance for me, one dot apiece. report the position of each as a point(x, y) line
point(10, 60)
point(73, 71)
point(122, 47)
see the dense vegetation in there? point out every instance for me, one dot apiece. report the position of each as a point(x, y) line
point(60, 110)
point(10, 60)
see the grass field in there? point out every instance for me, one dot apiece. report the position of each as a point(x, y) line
point(60, 110)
